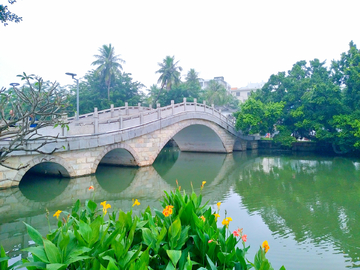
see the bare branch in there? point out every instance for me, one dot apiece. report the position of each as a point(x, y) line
point(25, 112)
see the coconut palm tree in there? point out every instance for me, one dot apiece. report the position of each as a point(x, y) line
point(193, 86)
point(192, 76)
point(109, 64)
point(169, 73)
point(216, 94)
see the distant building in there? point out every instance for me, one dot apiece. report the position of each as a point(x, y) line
point(205, 83)
point(243, 93)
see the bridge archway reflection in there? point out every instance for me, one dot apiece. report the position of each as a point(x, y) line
point(39, 186)
point(113, 180)
point(182, 166)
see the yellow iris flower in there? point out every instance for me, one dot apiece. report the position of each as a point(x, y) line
point(226, 221)
point(136, 202)
point(265, 246)
point(105, 206)
point(203, 184)
point(218, 205)
point(57, 214)
point(168, 210)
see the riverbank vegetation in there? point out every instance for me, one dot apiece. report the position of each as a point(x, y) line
point(312, 101)
point(184, 235)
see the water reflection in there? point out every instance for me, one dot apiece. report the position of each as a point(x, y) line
point(114, 181)
point(40, 188)
point(307, 206)
point(314, 199)
point(189, 168)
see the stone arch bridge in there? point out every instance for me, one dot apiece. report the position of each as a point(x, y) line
point(130, 136)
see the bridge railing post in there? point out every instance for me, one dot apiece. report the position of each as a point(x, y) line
point(112, 110)
point(141, 118)
point(158, 110)
point(172, 107)
point(120, 122)
point(184, 100)
point(139, 107)
point(204, 103)
point(195, 103)
point(96, 121)
point(64, 128)
point(126, 108)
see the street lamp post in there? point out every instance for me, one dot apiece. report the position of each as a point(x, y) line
point(77, 93)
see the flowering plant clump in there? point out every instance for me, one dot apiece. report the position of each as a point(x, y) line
point(189, 239)
point(168, 210)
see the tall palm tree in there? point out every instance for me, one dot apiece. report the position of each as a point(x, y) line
point(169, 73)
point(193, 86)
point(192, 76)
point(109, 64)
point(216, 94)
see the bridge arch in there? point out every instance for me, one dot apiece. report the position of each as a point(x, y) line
point(224, 138)
point(116, 154)
point(51, 163)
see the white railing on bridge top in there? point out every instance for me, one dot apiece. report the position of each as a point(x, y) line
point(131, 116)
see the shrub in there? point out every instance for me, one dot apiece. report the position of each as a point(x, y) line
point(182, 236)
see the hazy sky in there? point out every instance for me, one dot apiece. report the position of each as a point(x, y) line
point(244, 41)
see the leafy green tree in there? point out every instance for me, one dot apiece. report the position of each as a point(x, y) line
point(109, 65)
point(320, 103)
point(164, 97)
point(348, 132)
point(7, 16)
point(310, 97)
point(288, 88)
point(346, 74)
point(124, 89)
point(257, 117)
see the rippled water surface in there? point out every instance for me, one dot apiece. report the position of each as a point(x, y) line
point(306, 206)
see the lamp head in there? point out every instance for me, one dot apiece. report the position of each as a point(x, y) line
point(71, 74)
point(14, 84)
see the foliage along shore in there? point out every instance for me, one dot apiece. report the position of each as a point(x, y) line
point(311, 101)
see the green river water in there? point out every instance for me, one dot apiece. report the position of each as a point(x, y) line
point(306, 206)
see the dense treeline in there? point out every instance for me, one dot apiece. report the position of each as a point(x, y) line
point(108, 84)
point(311, 100)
